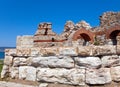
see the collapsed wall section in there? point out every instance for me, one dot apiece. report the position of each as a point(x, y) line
point(109, 19)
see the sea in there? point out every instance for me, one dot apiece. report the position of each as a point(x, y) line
point(2, 55)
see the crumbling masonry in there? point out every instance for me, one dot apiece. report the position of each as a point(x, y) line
point(81, 55)
point(108, 33)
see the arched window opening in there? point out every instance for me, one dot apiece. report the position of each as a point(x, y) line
point(84, 39)
point(113, 36)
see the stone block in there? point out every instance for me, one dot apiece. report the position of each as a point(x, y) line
point(104, 50)
point(52, 51)
point(68, 51)
point(24, 41)
point(52, 62)
point(27, 73)
point(14, 72)
point(98, 76)
point(35, 51)
point(19, 61)
point(115, 73)
point(85, 51)
point(109, 61)
point(43, 85)
point(24, 52)
point(118, 49)
point(64, 76)
point(89, 62)
point(8, 60)
point(10, 52)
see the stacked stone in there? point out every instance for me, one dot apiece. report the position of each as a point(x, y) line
point(45, 37)
point(83, 24)
point(42, 29)
point(109, 19)
point(96, 65)
point(25, 41)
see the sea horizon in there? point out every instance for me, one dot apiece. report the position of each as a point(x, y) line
point(2, 55)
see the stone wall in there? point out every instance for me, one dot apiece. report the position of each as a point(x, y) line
point(51, 58)
point(109, 19)
point(88, 65)
point(25, 41)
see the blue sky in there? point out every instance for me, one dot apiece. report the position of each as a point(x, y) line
point(21, 17)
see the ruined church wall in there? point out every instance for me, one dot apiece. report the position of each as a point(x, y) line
point(82, 65)
point(25, 41)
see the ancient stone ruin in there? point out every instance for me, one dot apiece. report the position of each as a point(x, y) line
point(81, 55)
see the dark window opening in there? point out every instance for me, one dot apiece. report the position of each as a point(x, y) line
point(53, 40)
point(113, 36)
point(85, 38)
point(46, 31)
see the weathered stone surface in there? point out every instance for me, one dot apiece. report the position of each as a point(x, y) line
point(10, 52)
point(83, 24)
point(108, 61)
point(84, 50)
point(52, 61)
point(35, 51)
point(8, 60)
point(14, 72)
point(118, 49)
point(43, 85)
point(115, 73)
point(104, 50)
point(24, 52)
point(109, 19)
point(68, 51)
point(5, 70)
point(13, 84)
point(90, 62)
point(98, 76)
point(44, 29)
point(65, 76)
point(45, 25)
point(69, 26)
point(49, 51)
point(27, 73)
point(19, 61)
point(118, 40)
point(24, 41)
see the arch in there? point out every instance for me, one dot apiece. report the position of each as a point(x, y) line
point(110, 30)
point(112, 33)
point(113, 36)
point(85, 34)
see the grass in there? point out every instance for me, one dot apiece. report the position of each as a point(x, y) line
point(1, 65)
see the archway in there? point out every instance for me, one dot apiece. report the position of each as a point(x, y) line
point(85, 35)
point(113, 36)
point(85, 38)
point(112, 33)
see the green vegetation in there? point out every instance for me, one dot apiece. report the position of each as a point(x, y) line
point(96, 42)
point(1, 65)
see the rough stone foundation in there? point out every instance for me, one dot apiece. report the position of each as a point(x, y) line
point(91, 65)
